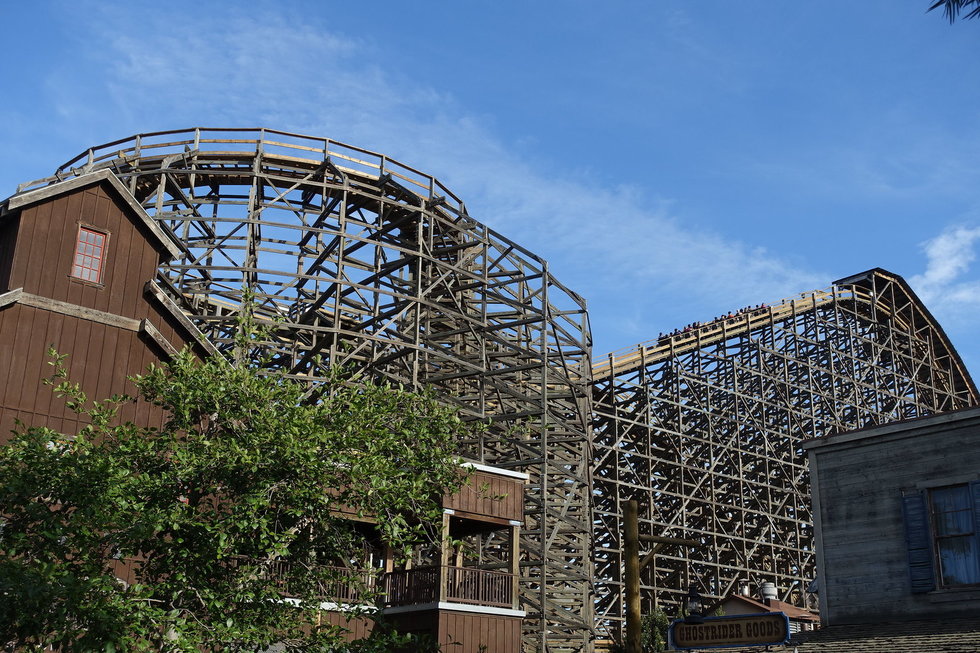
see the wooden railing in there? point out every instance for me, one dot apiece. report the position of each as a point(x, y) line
point(291, 152)
point(412, 586)
point(345, 585)
point(462, 585)
point(479, 586)
point(416, 586)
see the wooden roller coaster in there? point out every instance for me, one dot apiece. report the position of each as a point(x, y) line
point(703, 426)
point(355, 259)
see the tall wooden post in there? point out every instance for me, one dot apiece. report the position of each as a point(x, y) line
point(631, 552)
point(444, 558)
point(515, 565)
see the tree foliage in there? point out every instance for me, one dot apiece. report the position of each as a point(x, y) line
point(236, 499)
point(654, 629)
point(952, 8)
point(653, 633)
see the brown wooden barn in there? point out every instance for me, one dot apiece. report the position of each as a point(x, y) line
point(78, 263)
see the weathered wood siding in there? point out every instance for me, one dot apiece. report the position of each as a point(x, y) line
point(464, 632)
point(355, 627)
point(490, 495)
point(864, 575)
point(100, 356)
point(498, 634)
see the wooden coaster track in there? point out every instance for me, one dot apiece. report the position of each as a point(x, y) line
point(702, 427)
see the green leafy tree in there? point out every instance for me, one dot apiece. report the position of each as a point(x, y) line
point(654, 631)
point(235, 503)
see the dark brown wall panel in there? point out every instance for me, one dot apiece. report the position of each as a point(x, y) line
point(45, 249)
point(17, 348)
point(356, 627)
point(108, 350)
point(491, 495)
point(479, 633)
point(100, 358)
point(8, 322)
point(8, 237)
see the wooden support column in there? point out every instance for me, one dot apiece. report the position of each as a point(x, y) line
point(631, 539)
point(444, 551)
point(631, 554)
point(389, 554)
point(515, 566)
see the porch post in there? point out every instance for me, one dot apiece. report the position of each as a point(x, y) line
point(444, 558)
point(515, 565)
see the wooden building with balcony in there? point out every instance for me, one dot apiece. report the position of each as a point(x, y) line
point(463, 593)
point(468, 599)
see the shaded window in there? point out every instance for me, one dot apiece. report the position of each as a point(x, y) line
point(942, 535)
point(955, 535)
point(89, 255)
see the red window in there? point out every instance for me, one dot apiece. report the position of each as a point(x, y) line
point(89, 255)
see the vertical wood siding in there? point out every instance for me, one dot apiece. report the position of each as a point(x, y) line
point(45, 247)
point(497, 633)
point(491, 495)
point(36, 253)
point(100, 359)
point(356, 627)
point(8, 236)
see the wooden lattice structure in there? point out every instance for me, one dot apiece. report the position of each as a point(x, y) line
point(360, 261)
point(703, 427)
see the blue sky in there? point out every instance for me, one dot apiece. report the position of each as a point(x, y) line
point(672, 160)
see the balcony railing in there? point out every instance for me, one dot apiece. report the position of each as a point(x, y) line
point(412, 586)
point(416, 586)
point(462, 585)
point(479, 586)
point(346, 585)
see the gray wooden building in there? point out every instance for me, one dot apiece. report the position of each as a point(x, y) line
point(897, 511)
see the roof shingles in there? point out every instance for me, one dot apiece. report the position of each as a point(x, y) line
point(945, 636)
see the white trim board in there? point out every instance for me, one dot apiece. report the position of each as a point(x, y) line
point(456, 607)
point(495, 470)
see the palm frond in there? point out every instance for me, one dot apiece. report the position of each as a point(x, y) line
point(952, 8)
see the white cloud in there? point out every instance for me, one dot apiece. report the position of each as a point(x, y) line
point(628, 251)
point(949, 257)
point(950, 286)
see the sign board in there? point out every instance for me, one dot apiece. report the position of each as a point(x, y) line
point(763, 629)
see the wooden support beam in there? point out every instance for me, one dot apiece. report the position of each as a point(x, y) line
point(515, 565)
point(679, 541)
point(631, 538)
point(80, 312)
point(661, 543)
point(704, 425)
